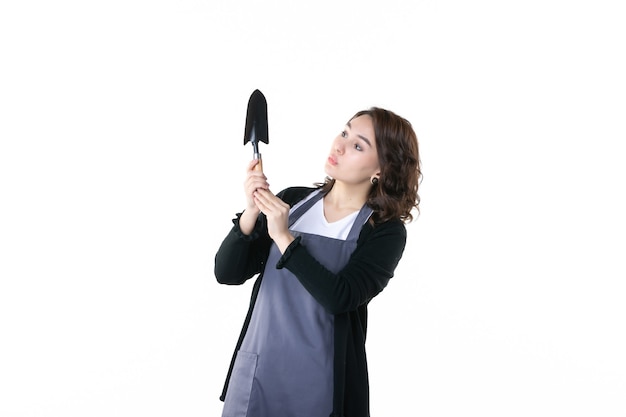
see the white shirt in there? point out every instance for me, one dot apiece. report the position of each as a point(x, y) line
point(314, 222)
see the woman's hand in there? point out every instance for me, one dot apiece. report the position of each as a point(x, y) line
point(277, 213)
point(255, 180)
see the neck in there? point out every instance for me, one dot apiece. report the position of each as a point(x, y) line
point(344, 196)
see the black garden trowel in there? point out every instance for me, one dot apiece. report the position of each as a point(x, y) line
point(256, 125)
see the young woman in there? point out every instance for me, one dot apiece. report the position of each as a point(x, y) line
point(322, 253)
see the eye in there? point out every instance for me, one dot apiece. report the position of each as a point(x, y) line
point(344, 134)
point(357, 147)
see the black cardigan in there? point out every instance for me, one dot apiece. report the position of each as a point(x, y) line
point(346, 294)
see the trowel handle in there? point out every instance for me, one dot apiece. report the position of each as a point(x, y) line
point(259, 166)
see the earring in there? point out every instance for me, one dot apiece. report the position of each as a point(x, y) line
point(374, 181)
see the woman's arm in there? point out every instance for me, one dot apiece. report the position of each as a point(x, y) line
point(368, 271)
point(241, 256)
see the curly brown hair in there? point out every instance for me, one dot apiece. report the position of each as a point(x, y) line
point(396, 194)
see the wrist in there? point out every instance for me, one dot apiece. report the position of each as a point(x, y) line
point(284, 241)
point(247, 220)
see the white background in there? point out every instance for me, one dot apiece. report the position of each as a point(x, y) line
point(122, 159)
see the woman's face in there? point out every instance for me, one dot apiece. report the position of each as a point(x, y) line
point(353, 157)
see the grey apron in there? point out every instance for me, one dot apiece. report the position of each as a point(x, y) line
point(284, 367)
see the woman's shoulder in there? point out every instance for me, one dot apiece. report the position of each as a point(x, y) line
point(395, 227)
point(292, 195)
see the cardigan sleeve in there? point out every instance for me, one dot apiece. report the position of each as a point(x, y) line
point(368, 271)
point(240, 256)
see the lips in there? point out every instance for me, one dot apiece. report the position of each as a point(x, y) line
point(332, 160)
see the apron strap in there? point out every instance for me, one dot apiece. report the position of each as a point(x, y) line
point(298, 212)
point(360, 220)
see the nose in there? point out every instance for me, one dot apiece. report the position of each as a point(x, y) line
point(339, 146)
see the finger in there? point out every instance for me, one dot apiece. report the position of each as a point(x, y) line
point(260, 197)
point(266, 197)
point(256, 180)
point(256, 183)
point(252, 164)
point(261, 203)
point(271, 204)
point(271, 198)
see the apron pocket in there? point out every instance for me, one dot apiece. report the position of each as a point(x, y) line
point(240, 385)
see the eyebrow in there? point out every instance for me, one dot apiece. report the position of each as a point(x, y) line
point(361, 136)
